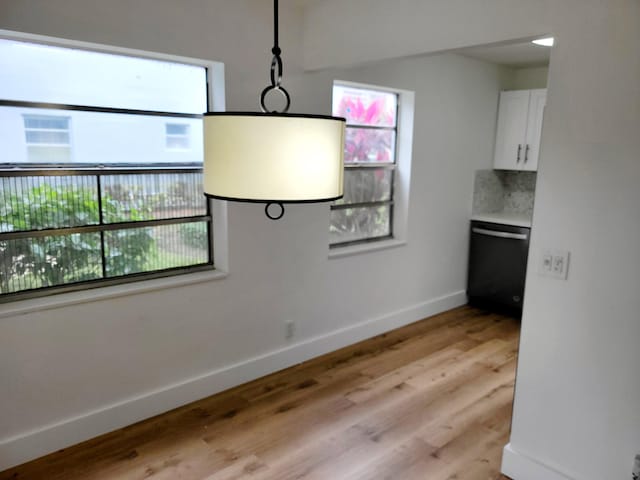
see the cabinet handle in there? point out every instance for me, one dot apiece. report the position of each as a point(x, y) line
point(494, 233)
point(519, 150)
point(526, 153)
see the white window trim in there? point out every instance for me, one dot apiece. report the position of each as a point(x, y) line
point(402, 177)
point(216, 102)
point(21, 307)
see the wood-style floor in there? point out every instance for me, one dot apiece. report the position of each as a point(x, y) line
point(428, 401)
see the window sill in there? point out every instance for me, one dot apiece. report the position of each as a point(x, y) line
point(340, 252)
point(22, 307)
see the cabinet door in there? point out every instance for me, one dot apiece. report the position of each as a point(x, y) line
point(510, 134)
point(537, 102)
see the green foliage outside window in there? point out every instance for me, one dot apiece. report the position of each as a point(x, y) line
point(61, 259)
point(195, 235)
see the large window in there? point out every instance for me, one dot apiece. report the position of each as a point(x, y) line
point(100, 170)
point(366, 211)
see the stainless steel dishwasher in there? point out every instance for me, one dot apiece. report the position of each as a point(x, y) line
point(497, 264)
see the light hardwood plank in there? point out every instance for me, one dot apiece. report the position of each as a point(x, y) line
point(430, 401)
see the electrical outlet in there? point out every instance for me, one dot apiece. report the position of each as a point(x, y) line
point(558, 265)
point(290, 329)
point(555, 264)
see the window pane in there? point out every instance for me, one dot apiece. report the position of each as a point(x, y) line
point(149, 249)
point(128, 198)
point(365, 107)
point(47, 137)
point(177, 143)
point(31, 263)
point(98, 139)
point(177, 129)
point(46, 122)
point(81, 77)
point(366, 185)
point(39, 202)
point(369, 145)
point(351, 224)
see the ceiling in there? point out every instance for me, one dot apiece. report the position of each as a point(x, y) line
point(518, 54)
point(304, 3)
point(521, 54)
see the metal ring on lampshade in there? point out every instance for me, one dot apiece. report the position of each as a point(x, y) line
point(276, 62)
point(274, 217)
point(276, 88)
point(276, 65)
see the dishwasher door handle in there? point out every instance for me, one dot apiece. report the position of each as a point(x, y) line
point(493, 233)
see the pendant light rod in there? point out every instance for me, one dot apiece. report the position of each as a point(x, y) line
point(275, 85)
point(276, 48)
point(276, 70)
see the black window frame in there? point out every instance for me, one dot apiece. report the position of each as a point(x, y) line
point(9, 170)
point(353, 166)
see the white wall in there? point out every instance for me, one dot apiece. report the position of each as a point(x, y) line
point(578, 387)
point(140, 139)
point(412, 27)
point(71, 372)
point(530, 78)
point(515, 78)
point(48, 74)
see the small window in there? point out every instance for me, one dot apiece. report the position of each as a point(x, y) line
point(46, 130)
point(48, 138)
point(177, 135)
point(365, 212)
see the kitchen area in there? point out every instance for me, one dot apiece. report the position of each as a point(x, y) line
point(504, 196)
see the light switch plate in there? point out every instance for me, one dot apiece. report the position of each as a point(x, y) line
point(554, 264)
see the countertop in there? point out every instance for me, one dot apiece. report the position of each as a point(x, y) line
point(504, 218)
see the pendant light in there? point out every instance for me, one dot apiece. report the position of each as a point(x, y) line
point(273, 157)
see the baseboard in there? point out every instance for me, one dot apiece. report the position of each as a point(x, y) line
point(34, 444)
point(520, 467)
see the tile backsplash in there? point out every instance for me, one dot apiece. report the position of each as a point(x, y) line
point(504, 191)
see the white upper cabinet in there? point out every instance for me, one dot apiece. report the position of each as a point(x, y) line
point(519, 128)
point(537, 102)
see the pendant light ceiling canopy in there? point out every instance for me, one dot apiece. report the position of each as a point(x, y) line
point(273, 157)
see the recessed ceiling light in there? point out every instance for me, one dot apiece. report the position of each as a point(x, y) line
point(545, 42)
